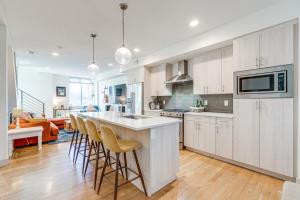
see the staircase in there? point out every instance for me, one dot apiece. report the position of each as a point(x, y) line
point(29, 103)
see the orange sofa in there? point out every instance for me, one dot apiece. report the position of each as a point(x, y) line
point(50, 132)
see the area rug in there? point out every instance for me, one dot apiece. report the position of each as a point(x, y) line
point(63, 136)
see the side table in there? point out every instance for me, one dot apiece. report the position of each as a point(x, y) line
point(19, 133)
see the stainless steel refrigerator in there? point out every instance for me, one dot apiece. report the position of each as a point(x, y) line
point(135, 98)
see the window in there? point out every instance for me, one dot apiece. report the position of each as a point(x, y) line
point(81, 92)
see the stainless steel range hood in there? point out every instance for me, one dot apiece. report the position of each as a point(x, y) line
point(182, 76)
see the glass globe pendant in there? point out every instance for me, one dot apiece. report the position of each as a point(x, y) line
point(123, 55)
point(93, 68)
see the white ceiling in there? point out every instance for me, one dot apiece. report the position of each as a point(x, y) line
point(41, 25)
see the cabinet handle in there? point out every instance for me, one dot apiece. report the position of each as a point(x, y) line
point(217, 129)
point(203, 89)
point(206, 89)
point(223, 88)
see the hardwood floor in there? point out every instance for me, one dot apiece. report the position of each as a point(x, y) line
point(50, 174)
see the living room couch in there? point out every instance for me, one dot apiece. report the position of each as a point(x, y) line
point(50, 131)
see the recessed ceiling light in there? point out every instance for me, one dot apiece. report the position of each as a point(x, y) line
point(110, 64)
point(194, 23)
point(55, 54)
point(136, 50)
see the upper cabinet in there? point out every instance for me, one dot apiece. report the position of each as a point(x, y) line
point(213, 72)
point(135, 75)
point(227, 70)
point(246, 52)
point(277, 46)
point(266, 48)
point(158, 76)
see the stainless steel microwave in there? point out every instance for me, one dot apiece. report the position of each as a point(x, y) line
point(269, 82)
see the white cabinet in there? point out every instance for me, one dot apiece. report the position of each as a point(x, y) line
point(246, 52)
point(277, 46)
point(135, 75)
point(276, 135)
point(263, 134)
point(200, 74)
point(213, 76)
point(246, 131)
point(191, 133)
point(227, 70)
point(213, 72)
point(207, 134)
point(224, 137)
point(158, 76)
point(270, 47)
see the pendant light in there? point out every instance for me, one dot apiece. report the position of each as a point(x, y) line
point(93, 68)
point(122, 54)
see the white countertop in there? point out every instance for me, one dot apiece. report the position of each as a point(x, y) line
point(211, 114)
point(134, 124)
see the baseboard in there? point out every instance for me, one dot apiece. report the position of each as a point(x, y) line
point(269, 173)
point(3, 163)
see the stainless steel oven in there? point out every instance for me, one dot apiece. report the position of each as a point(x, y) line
point(270, 82)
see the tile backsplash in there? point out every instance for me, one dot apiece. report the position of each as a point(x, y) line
point(183, 98)
point(215, 102)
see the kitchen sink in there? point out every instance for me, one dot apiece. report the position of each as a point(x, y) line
point(135, 116)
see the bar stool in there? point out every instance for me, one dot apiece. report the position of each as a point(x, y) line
point(96, 144)
point(74, 137)
point(84, 135)
point(118, 146)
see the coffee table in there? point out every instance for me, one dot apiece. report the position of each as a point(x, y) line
point(19, 133)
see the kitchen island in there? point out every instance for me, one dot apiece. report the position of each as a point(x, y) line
point(159, 136)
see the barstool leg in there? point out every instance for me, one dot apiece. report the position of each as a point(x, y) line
point(84, 153)
point(75, 146)
point(78, 149)
point(73, 136)
point(126, 170)
point(117, 173)
point(88, 159)
point(103, 170)
point(97, 162)
point(140, 171)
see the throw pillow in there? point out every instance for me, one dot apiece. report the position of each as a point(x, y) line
point(38, 116)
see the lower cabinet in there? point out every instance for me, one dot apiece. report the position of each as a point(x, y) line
point(209, 134)
point(191, 133)
point(263, 134)
point(246, 131)
point(276, 135)
point(224, 138)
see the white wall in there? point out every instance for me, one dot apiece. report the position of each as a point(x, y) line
point(42, 86)
point(39, 85)
point(3, 98)
point(11, 76)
